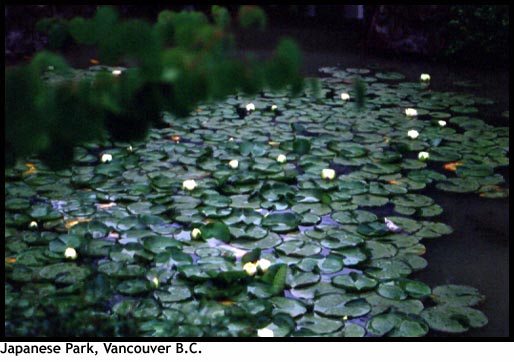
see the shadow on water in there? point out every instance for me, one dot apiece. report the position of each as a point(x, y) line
point(476, 253)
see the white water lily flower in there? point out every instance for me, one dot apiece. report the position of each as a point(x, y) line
point(422, 156)
point(264, 264)
point(116, 72)
point(274, 107)
point(250, 268)
point(392, 226)
point(425, 77)
point(250, 107)
point(196, 233)
point(281, 158)
point(234, 163)
point(441, 123)
point(328, 173)
point(413, 134)
point(265, 332)
point(155, 282)
point(33, 224)
point(70, 253)
point(411, 112)
point(189, 185)
point(231, 139)
point(106, 157)
point(345, 96)
point(129, 148)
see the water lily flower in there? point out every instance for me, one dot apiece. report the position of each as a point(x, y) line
point(155, 282)
point(413, 134)
point(175, 138)
point(250, 268)
point(274, 107)
point(234, 163)
point(51, 67)
point(345, 96)
point(264, 264)
point(129, 148)
point(422, 156)
point(392, 226)
point(189, 185)
point(281, 158)
point(116, 72)
point(441, 123)
point(106, 157)
point(33, 225)
point(425, 77)
point(70, 253)
point(265, 332)
point(328, 173)
point(411, 112)
point(231, 139)
point(250, 107)
point(196, 233)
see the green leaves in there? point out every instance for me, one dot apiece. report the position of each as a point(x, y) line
point(251, 15)
point(301, 146)
point(215, 230)
point(198, 68)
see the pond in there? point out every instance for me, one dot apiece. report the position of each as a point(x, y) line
point(319, 229)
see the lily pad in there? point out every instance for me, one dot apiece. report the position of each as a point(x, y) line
point(340, 305)
point(397, 325)
point(354, 282)
point(458, 295)
point(453, 319)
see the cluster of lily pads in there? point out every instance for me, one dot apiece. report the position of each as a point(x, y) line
point(269, 216)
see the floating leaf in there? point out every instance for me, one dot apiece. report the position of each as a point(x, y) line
point(340, 305)
point(458, 295)
point(453, 319)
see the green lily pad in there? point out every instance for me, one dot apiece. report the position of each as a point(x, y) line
point(291, 307)
point(340, 305)
point(282, 222)
point(387, 269)
point(65, 273)
point(215, 230)
point(141, 309)
point(453, 319)
point(351, 256)
point(353, 217)
point(354, 282)
point(16, 204)
point(174, 294)
point(460, 185)
point(134, 286)
point(397, 325)
point(314, 324)
point(157, 244)
point(391, 290)
point(296, 278)
point(458, 295)
point(326, 265)
point(412, 200)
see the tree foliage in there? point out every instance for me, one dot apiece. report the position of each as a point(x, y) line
point(481, 30)
point(181, 60)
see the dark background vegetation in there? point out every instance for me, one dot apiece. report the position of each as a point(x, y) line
point(476, 34)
